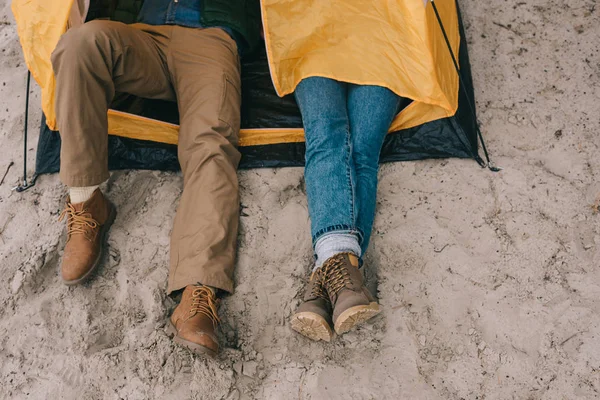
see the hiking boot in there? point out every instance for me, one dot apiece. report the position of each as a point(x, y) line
point(195, 320)
point(87, 224)
point(352, 303)
point(313, 318)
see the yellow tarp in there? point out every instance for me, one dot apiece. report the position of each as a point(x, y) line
point(392, 43)
point(418, 66)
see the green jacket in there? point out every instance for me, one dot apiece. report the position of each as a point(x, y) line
point(243, 16)
point(125, 11)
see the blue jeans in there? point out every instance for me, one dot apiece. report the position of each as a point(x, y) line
point(345, 125)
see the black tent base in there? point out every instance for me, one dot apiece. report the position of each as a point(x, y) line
point(439, 140)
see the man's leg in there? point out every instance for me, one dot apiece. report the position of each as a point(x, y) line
point(91, 62)
point(206, 75)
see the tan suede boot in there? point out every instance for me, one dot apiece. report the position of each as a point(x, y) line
point(195, 320)
point(351, 300)
point(87, 224)
point(313, 318)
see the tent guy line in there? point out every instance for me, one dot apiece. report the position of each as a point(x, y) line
point(24, 184)
point(489, 164)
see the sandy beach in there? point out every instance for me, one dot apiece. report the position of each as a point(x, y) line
point(489, 282)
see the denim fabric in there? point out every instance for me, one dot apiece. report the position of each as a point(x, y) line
point(169, 12)
point(178, 12)
point(345, 125)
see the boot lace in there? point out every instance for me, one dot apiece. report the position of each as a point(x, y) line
point(334, 276)
point(204, 302)
point(317, 289)
point(79, 222)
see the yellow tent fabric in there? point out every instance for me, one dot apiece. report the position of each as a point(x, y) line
point(40, 23)
point(392, 43)
point(422, 66)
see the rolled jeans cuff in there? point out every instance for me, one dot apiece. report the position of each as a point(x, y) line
point(337, 229)
point(335, 243)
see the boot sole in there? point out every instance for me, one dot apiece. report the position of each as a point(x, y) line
point(195, 348)
point(312, 325)
point(103, 232)
point(355, 316)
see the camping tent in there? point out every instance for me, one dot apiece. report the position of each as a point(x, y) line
point(143, 133)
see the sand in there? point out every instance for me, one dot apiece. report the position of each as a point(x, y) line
point(489, 281)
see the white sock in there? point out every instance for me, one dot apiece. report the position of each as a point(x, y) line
point(81, 194)
point(335, 243)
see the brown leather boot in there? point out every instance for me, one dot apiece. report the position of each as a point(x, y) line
point(87, 224)
point(351, 300)
point(195, 320)
point(313, 318)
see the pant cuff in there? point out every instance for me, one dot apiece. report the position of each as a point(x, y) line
point(335, 243)
point(216, 281)
point(82, 181)
point(337, 229)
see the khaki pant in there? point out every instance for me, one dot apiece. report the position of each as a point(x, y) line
point(200, 69)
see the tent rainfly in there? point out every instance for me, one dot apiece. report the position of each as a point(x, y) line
point(143, 133)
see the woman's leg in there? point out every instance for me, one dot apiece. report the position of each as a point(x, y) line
point(371, 110)
point(336, 293)
point(329, 175)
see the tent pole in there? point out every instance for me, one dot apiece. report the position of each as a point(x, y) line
point(26, 185)
point(490, 165)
